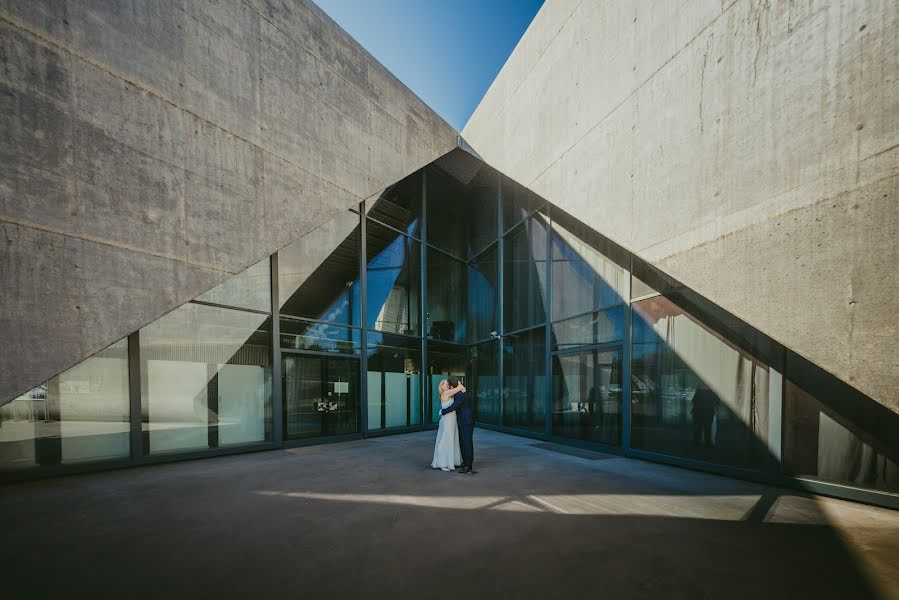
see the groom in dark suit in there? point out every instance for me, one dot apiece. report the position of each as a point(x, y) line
point(465, 420)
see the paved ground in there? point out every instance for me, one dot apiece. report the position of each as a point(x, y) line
point(369, 519)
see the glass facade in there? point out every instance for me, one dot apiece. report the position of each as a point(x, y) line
point(693, 394)
point(525, 380)
point(456, 270)
point(78, 416)
point(525, 275)
point(206, 379)
point(394, 381)
point(318, 275)
point(393, 280)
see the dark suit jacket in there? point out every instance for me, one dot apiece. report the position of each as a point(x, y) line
point(460, 404)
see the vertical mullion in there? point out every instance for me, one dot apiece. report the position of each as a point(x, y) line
point(134, 397)
point(500, 294)
point(425, 379)
point(363, 308)
point(277, 375)
point(625, 402)
point(547, 354)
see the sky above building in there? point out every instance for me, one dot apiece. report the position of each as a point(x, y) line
point(446, 51)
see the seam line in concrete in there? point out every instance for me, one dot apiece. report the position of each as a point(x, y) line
point(119, 246)
point(791, 210)
point(47, 40)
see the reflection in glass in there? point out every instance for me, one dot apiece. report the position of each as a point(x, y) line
point(583, 279)
point(394, 381)
point(587, 395)
point(596, 328)
point(483, 304)
point(399, 206)
point(79, 415)
point(524, 271)
point(393, 280)
point(481, 216)
point(445, 299)
point(321, 396)
point(483, 381)
point(524, 380)
point(318, 275)
point(447, 222)
point(248, 289)
point(206, 378)
point(694, 394)
point(444, 360)
point(518, 203)
point(819, 444)
point(319, 337)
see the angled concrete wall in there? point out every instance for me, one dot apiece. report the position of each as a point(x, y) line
point(150, 150)
point(748, 148)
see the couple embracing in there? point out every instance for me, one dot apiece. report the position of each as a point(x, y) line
point(454, 433)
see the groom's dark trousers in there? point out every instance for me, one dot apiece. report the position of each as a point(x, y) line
point(466, 426)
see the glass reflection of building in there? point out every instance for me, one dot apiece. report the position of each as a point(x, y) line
point(456, 271)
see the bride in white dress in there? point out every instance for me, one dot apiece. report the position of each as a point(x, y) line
point(447, 453)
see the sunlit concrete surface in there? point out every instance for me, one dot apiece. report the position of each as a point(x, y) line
point(370, 519)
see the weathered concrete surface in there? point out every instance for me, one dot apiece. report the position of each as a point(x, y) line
point(750, 149)
point(371, 519)
point(150, 150)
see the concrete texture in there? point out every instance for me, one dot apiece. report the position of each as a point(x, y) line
point(748, 148)
point(153, 149)
point(371, 519)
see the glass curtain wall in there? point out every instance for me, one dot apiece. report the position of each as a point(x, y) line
point(393, 381)
point(81, 415)
point(693, 394)
point(459, 272)
point(206, 379)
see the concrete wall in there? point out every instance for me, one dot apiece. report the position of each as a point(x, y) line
point(151, 149)
point(750, 149)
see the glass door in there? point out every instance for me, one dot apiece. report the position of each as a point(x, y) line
point(321, 396)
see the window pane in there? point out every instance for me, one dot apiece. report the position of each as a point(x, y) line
point(819, 445)
point(400, 205)
point(446, 298)
point(524, 380)
point(598, 328)
point(444, 360)
point(524, 268)
point(483, 381)
point(518, 203)
point(587, 396)
point(694, 394)
point(447, 222)
point(79, 415)
point(483, 304)
point(394, 381)
point(583, 279)
point(248, 289)
point(481, 217)
point(319, 337)
point(206, 378)
point(318, 275)
point(394, 281)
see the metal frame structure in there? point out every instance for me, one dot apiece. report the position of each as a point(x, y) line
point(776, 357)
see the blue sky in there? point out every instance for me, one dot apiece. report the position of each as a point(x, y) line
point(447, 51)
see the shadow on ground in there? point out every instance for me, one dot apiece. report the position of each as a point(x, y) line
point(369, 519)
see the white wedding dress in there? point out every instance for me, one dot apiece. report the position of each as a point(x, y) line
point(447, 453)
